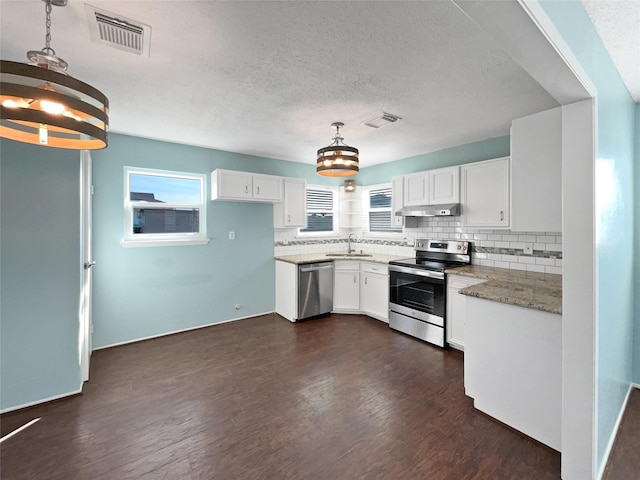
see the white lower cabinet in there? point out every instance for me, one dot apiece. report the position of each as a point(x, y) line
point(346, 286)
point(287, 290)
point(375, 290)
point(457, 308)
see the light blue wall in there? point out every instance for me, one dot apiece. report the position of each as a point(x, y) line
point(39, 274)
point(636, 345)
point(614, 215)
point(471, 152)
point(148, 291)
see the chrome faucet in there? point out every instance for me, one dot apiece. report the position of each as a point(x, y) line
point(355, 239)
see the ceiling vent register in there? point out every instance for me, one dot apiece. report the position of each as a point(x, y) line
point(382, 120)
point(119, 32)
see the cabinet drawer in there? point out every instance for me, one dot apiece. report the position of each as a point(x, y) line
point(346, 265)
point(380, 268)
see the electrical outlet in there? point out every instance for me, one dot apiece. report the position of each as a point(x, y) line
point(232, 235)
point(528, 248)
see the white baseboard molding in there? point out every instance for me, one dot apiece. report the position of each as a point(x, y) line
point(612, 439)
point(180, 331)
point(43, 400)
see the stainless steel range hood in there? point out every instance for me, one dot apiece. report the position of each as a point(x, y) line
point(445, 210)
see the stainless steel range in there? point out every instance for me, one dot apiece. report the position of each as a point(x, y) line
point(417, 288)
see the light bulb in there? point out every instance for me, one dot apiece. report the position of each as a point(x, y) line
point(52, 107)
point(10, 103)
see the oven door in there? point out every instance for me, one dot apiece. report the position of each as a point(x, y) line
point(417, 293)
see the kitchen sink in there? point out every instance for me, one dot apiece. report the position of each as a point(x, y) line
point(348, 255)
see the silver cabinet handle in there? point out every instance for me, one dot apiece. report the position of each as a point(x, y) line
point(246, 189)
point(257, 190)
point(501, 215)
point(288, 218)
point(365, 280)
point(354, 279)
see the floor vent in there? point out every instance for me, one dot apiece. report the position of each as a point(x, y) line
point(118, 32)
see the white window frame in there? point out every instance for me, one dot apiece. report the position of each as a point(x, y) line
point(131, 239)
point(366, 209)
point(335, 212)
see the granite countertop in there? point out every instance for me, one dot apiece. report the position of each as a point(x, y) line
point(540, 291)
point(322, 257)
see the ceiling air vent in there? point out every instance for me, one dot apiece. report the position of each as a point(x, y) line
point(118, 32)
point(382, 120)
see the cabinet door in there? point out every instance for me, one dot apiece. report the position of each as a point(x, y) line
point(456, 317)
point(346, 293)
point(397, 192)
point(267, 188)
point(485, 194)
point(536, 172)
point(231, 185)
point(292, 211)
point(444, 186)
point(416, 189)
point(375, 295)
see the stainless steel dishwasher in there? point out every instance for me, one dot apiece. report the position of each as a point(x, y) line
point(315, 289)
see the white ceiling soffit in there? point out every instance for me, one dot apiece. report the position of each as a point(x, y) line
point(268, 78)
point(618, 25)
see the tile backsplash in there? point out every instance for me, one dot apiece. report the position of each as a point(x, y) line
point(495, 248)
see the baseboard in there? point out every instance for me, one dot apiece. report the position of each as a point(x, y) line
point(41, 401)
point(612, 439)
point(179, 331)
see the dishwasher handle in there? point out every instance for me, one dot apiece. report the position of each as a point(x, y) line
point(313, 267)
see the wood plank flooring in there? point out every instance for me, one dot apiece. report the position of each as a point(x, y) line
point(624, 460)
point(341, 397)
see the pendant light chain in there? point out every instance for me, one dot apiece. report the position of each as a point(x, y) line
point(47, 49)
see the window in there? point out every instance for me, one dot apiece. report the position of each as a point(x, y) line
point(377, 202)
point(321, 214)
point(164, 208)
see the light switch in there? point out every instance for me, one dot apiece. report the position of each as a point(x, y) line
point(232, 235)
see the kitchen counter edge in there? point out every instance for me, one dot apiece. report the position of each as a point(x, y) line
point(539, 291)
point(322, 257)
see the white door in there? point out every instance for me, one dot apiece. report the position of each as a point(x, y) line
point(86, 327)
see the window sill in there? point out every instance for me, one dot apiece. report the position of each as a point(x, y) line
point(163, 243)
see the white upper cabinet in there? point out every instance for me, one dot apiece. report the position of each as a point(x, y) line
point(485, 194)
point(432, 187)
point(536, 172)
point(444, 185)
point(397, 192)
point(245, 187)
point(267, 188)
point(292, 211)
point(416, 189)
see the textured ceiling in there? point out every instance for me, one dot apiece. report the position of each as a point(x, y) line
point(268, 78)
point(618, 24)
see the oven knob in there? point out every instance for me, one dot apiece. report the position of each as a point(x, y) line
point(459, 247)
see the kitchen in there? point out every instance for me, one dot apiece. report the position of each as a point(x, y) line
point(140, 292)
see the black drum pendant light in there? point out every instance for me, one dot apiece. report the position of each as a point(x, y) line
point(338, 159)
point(41, 104)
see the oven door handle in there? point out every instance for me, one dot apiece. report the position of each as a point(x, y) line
point(417, 271)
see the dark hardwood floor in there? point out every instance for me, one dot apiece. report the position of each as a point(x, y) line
point(624, 460)
point(341, 397)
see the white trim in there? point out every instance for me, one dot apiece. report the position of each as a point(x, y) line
point(181, 331)
point(614, 435)
point(44, 400)
point(163, 243)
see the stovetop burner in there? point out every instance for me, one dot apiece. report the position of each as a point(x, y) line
point(438, 255)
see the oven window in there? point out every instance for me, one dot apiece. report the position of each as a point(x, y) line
point(417, 292)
